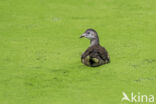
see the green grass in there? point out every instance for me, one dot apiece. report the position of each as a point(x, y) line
point(40, 50)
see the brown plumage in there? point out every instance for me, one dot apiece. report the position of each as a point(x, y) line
point(95, 55)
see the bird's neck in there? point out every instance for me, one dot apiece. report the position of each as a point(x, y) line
point(94, 42)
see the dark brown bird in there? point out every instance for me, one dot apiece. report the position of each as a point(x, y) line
point(95, 55)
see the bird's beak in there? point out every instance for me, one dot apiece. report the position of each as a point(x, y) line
point(83, 35)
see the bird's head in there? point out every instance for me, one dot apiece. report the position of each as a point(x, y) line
point(90, 34)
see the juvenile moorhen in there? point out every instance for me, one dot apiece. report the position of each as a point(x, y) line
point(95, 55)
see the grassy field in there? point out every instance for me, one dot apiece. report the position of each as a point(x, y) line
point(40, 50)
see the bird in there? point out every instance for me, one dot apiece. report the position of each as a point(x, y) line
point(95, 55)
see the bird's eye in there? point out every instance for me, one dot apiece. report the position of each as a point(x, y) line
point(88, 32)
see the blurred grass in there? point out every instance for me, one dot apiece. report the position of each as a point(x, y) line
point(40, 51)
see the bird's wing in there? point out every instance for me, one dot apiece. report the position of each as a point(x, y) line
point(103, 53)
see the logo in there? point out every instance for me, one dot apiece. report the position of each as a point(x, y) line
point(137, 98)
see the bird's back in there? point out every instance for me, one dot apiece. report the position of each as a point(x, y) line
point(95, 56)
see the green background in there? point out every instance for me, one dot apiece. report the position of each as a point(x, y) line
point(40, 51)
